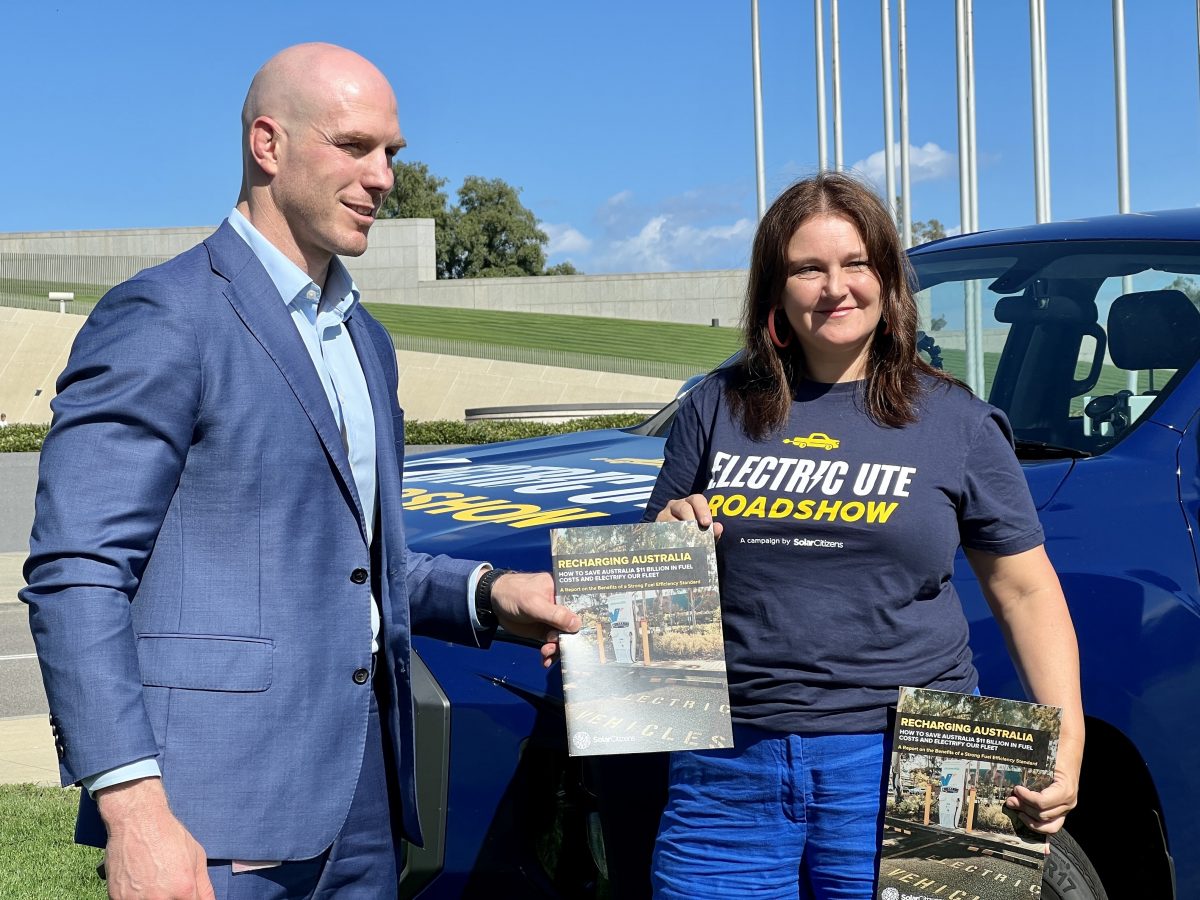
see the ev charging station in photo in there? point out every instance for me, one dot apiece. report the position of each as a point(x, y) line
point(953, 790)
point(622, 621)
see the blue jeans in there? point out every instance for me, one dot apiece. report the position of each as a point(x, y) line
point(776, 816)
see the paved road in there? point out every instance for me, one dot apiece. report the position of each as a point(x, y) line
point(22, 693)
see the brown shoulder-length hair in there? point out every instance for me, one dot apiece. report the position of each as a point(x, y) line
point(760, 394)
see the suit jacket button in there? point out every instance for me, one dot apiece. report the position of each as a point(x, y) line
point(361, 676)
point(359, 576)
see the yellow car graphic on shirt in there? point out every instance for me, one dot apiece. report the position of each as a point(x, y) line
point(818, 439)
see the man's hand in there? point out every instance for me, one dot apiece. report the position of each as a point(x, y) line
point(150, 855)
point(524, 604)
point(692, 508)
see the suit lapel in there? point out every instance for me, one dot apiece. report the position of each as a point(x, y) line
point(256, 301)
point(389, 461)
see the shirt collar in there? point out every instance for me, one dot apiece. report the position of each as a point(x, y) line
point(289, 279)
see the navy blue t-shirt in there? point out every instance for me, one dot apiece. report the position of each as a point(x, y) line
point(839, 542)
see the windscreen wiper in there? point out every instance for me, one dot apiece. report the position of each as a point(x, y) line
point(1044, 450)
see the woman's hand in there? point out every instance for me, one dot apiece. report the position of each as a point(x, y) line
point(1028, 603)
point(693, 508)
point(1044, 811)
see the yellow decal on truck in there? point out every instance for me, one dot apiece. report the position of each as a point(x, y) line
point(485, 509)
point(628, 461)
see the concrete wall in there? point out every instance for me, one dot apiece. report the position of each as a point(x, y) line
point(433, 386)
point(401, 252)
point(33, 351)
point(689, 297)
point(110, 242)
point(399, 256)
point(400, 267)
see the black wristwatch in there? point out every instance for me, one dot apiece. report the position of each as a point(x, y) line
point(483, 597)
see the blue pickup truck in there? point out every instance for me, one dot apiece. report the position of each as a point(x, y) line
point(1086, 333)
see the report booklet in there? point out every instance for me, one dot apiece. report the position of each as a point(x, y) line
point(955, 759)
point(646, 672)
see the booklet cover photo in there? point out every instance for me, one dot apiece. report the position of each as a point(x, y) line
point(646, 672)
point(955, 759)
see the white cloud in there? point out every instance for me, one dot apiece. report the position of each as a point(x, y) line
point(564, 239)
point(665, 244)
point(926, 163)
point(641, 253)
point(702, 228)
point(615, 211)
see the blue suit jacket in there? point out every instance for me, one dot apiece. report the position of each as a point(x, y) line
point(192, 585)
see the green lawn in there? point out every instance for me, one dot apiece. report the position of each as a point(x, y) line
point(26, 294)
point(39, 857)
point(657, 349)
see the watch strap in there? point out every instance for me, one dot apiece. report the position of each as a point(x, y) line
point(484, 613)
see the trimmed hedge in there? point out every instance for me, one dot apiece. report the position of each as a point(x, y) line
point(490, 431)
point(22, 438)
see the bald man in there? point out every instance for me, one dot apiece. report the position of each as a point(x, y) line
point(218, 583)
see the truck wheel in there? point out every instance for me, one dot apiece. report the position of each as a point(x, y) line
point(1069, 874)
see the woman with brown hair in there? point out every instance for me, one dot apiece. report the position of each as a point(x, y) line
point(841, 473)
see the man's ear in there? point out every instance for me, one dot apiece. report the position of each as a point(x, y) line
point(266, 138)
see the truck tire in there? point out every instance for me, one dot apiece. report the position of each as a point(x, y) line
point(1069, 874)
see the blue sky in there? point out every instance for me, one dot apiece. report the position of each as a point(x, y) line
point(628, 125)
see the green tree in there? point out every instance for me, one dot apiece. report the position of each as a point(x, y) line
point(495, 235)
point(418, 194)
point(1188, 286)
point(922, 232)
point(490, 233)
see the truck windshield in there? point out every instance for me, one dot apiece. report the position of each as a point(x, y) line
point(1075, 341)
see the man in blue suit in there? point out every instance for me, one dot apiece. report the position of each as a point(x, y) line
point(218, 583)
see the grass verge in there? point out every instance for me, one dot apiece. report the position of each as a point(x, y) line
point(654, 349)
point(40, 860)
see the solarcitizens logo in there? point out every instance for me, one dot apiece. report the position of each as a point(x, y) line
point(817, 542)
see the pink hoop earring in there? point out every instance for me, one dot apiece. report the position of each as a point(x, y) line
point(771, 330)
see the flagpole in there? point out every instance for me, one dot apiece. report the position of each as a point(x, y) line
point(889, 151)
point(759, 175)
